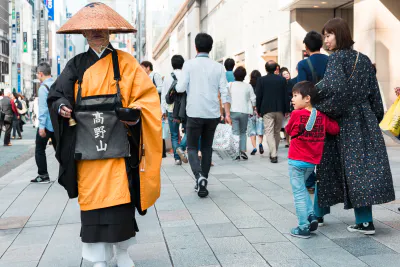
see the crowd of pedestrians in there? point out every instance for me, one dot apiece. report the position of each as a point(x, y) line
point(330, 114)
point(310, 108)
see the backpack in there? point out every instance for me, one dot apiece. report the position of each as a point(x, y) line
point(171, 94)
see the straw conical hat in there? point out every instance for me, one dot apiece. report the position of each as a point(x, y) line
point(96, 16)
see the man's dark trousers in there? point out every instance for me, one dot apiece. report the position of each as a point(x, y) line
point(196, 127)
point(40, 151)
point(7, 134)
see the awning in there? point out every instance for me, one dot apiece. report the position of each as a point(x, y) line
point(287, 5)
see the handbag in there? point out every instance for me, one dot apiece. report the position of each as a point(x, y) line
point(390, 124)
point(225, 144)
point(171, 94)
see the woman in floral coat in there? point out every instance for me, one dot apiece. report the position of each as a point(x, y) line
point(355, 166)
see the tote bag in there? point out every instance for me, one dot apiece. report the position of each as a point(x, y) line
point(390, 124)
point(225, 144)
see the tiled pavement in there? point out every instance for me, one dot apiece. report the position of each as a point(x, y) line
point(244, 222)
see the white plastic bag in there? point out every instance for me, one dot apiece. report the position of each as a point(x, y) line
point(225, 143)
point(165, 130)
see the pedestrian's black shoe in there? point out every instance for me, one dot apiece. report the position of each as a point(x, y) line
point(237, 158)
point(313, 222)
point(253, 152)
point(320, 221)
point(261, 148)
point(274, 160)
point(202, 187)
point(41, 180)
point(244, 156)
point(367, 228)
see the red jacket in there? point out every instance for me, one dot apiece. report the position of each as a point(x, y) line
point(309, 146)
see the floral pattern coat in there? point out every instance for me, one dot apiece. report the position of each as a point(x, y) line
point(355, 167)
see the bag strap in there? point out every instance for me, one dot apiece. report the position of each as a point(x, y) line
point(354, 67)
point(310, 124)
point(46, 86)
point(117, 77)
point(313, 73)
point(173, 76)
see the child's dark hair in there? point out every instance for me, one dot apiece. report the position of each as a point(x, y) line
point(306, 88)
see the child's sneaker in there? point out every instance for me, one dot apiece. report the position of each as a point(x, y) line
point(313, 222)
point(367, 228)
point(261, 148)
point(300, 233)
point(253, 152)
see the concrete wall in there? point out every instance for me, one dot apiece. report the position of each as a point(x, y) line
point(377, 36)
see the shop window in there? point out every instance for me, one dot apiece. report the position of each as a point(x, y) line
point(270, 50)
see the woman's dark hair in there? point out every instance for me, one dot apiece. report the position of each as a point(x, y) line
point(15, 95)
point(177, 62)
point(147, 64)
point(283, 69)
point(240, 73)
point(255, 74)
point(313, 41)
point(306, 88)
point(204, 43)
point(341, 30)
point(229, 64)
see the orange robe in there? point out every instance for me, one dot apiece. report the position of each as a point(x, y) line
point(104, 183)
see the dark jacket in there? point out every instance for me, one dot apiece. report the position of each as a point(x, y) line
point(6, 108)
point(272, 94)
point(355, 167)
point(318, 62)
point(179, 111)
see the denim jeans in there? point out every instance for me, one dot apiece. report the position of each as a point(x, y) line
point(174, 129)
point(319, 212)
point(310, 183)
point(302, 200)
point(239, 127)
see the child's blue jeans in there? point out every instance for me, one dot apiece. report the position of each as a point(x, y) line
point(302, 201)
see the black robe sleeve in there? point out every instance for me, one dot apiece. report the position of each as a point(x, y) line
point(62, 92)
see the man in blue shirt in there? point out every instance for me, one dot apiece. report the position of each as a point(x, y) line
point(45, 130)
point(313, 68)
point(229, 65)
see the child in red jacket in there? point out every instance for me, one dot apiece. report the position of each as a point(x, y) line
point(307, 128)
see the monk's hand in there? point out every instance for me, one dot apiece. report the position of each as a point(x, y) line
point(65, 112)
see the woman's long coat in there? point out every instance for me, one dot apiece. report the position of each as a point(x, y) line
point(355, 166)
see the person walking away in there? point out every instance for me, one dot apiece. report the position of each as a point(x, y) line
point(158, 83)
point(114, 166)
point(355, 168)
point(45, 130)
point(312, 69)
point(273, 105)
point(289, 86)
point(229, 66)
point(243, 103)
point(307, 127)
point(177, 62)
point(16, 120)
point(202, 79)
point(31, 105)
point(23, 112)
point(255, 125)
point(8, 110)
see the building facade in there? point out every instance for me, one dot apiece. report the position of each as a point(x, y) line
point(255, 31)
point(4, 46)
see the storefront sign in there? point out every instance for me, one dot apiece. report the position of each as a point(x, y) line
point(25, 36)
point(18, 23)
point(50, 8)
point(14, 34)
point(19, 77)
point(34, 44)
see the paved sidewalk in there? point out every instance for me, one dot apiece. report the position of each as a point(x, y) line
point(244, 222)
